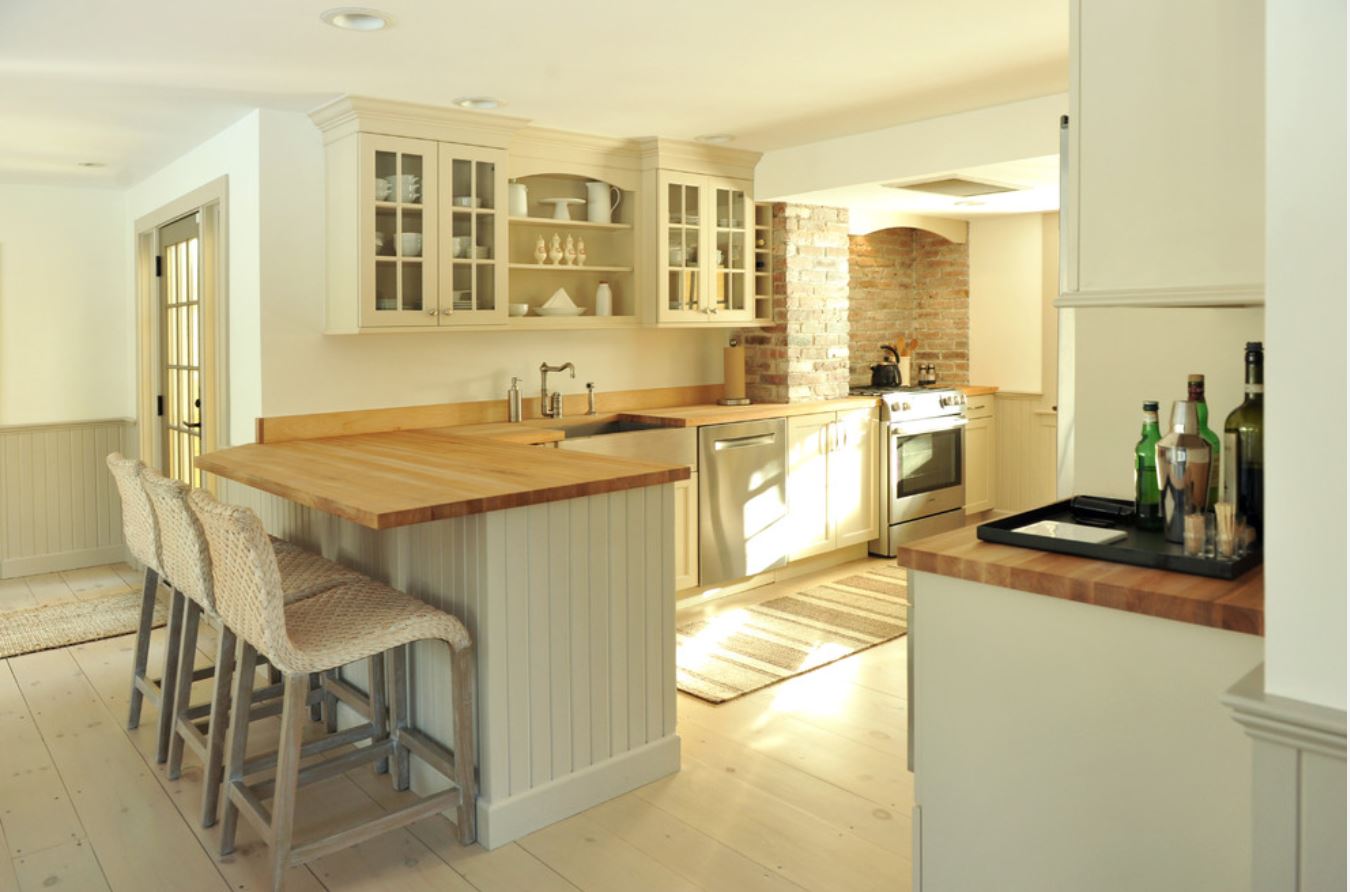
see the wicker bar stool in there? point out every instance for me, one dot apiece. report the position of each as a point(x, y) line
point(185, 557)
point(140, 529)
point(340, 625)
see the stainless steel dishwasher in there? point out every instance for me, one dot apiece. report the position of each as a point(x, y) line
point(742, 495)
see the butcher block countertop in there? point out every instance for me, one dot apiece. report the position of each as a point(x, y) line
point(1237, 605)
point(698, 416)
point(393, 479)
point(977, 389)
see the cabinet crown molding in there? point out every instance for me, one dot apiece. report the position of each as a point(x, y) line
point(697, 157)
point(363, 114)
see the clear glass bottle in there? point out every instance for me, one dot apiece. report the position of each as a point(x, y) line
point(1245, 458)
point(1147, 497)
point(1195, 387)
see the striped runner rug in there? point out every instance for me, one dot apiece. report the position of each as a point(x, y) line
point(743, 649)
point(30, 629)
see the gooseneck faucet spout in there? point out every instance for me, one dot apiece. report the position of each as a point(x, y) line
point(551, 408)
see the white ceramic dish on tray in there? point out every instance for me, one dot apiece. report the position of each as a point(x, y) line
point(560, 311)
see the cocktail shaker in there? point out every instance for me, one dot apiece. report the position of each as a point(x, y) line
point(1183, 470)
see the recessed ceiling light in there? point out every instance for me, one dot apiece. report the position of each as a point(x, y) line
point(92, 164)
point(352, 18)
point(968, 203)
point(717, 139)
point(478, 103)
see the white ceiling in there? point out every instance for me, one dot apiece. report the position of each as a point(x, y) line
point(134, 83)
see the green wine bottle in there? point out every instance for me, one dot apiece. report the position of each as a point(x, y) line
point(1147, 498)
point(1245, 458)
point(1195, 386)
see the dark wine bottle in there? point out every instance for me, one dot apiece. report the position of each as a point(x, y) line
point(1195, 387)
point(1147, 497)
point(1244, 457)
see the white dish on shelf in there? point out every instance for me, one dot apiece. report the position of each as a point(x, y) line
point(560, 311)
point(561, 205)
point(518, 309)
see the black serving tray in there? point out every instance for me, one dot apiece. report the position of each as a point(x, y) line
point(1142, 548)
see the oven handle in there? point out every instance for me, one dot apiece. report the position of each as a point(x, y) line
point(913, 428)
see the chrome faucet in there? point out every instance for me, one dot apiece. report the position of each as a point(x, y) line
point(552, 407)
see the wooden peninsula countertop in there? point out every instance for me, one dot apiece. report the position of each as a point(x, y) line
point(396, 478)
point(1237, 605)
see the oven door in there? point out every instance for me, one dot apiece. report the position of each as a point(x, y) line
point(927, 472)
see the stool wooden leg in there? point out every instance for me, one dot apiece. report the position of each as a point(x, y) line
point(142, 657)
point(220, 719)
point(330, 710)
point(465, 752)
point(398, 710)
point(234, 754)
point(183, 699)
point(379, 710)
point(315, 708)
point(273, 674)
point(294, 713)
point(168, 682)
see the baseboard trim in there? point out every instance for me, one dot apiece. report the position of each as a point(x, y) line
point(511, 818)
point(65, 560)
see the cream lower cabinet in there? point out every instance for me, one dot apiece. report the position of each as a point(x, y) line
point(980, 455)
point(686, 533)
point(832, 487)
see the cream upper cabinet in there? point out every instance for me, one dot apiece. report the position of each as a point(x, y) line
point(854, 489)
point(1164, 199)
point(808, 488)
point(705, 249)
point(473, 230)
point(397, 244)
point(832, 489)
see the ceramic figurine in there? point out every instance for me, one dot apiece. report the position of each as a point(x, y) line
point(570, 252)
point(540, 252)
point(581, 252)
point(555, 251)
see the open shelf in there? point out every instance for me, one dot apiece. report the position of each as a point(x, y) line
point(540, 323)
point(569, 224)
point(549, 267)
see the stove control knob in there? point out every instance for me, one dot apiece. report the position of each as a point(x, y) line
point(945, 401)
point(904, 407)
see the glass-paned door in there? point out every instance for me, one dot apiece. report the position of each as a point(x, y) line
point(680, 254)
point(473, 235)
point(733, 256)
point(180, 327)
point(399, 225)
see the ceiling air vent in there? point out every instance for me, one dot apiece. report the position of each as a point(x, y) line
point(956, 187)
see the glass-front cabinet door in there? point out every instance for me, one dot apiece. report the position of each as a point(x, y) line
point(398, 231)
point(473, 216)
point(732, 262)
point(682, 219)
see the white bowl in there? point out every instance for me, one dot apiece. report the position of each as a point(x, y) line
point(411, 243)
point(518, 309)
point(560, 311)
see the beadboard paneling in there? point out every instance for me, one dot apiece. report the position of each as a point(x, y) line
point(571, 605)
point(59, 508)
point(1025, 451)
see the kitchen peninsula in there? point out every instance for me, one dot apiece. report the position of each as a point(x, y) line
point(1046, 688)
point(560, 565)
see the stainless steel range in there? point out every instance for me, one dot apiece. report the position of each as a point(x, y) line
point(922, 471)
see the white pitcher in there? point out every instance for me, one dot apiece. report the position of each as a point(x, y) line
point(518, 200)
point(601, 201)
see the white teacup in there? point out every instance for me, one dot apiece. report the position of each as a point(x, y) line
point(409, 187)
point(460, 245)
point(411, 244)
point(382, 189)
point(379, 241)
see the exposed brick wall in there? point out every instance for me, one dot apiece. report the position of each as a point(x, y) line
point(915, 284)
point(804, 355)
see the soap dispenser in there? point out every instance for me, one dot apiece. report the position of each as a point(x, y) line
point(513, 401)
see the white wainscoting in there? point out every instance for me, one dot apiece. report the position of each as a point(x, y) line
point(59, 508)
point(1025, 451)
point(1298, 788)
point(571, 605)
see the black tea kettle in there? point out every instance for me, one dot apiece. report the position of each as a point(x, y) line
point(887, 374)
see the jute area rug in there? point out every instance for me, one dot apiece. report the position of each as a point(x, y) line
point(30, 629)
point(744, 649)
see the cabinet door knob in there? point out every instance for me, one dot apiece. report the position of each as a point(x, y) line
point(433, 311)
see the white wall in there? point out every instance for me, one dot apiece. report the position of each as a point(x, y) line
point(1026, 129)
point(1305, 468)
point(233, 153)
point(66, 351)
point(304, 370)
point(1128, 355)
point(1006, 308)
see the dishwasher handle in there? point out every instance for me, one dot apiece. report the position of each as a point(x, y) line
point(743, 442)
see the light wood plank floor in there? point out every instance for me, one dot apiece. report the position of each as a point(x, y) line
point(800, 786)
